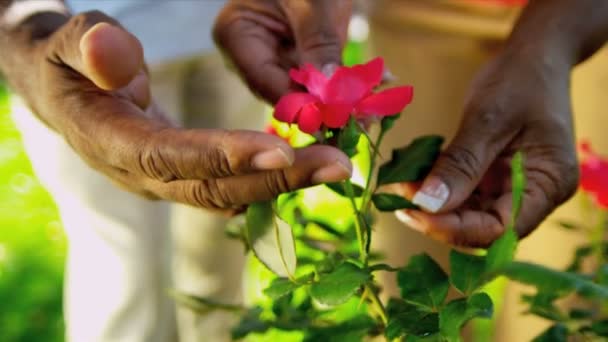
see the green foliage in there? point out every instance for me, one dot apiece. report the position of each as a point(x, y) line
point(556, 333)
point(423, 282)
point(459, 311)
point(353, 330)
point(470, 272)
point(388, 122)
point(333, 294)
point(337, 287)
point(348, 138)
point(552, 281)
point(282, 286)
point(340, 189)
point(409, 319)
point(412, 162)
point(390, 202)
point(271, 239)
point(32, 246)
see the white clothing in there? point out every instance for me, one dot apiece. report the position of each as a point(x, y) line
point(126, 252)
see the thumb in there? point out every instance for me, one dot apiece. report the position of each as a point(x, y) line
point(320, 30)
point(97, 47)
point(460, 168)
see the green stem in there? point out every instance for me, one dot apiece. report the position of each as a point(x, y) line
point(377, 304)
point(358, 226)
point(597, 238)
point(368, 192)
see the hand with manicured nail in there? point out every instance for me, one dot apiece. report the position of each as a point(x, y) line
point(519, 102)
point(85, 77)
point(265, 39)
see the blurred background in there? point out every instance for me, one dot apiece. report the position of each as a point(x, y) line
point(32, 245)
point(452, 39)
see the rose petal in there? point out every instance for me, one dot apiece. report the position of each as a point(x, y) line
point(371, 72)
point(345, 87)
point(388, 102)
point(336, 115)
point(310, 77)
point(289, 105)
point(309, 120)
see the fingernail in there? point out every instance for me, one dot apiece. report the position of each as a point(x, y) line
point(432, 196)
point(273, 159)
point(333, 173)
point(404, 217)
point(329, 69)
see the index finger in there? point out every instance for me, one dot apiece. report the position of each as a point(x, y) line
point(253, 43)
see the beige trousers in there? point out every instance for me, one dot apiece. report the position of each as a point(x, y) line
point(125, 252)
point(438, 46)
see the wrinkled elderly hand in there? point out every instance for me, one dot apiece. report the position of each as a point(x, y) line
point(88, 82)
point(519, 102)
point(265, 38)
point(515, 104)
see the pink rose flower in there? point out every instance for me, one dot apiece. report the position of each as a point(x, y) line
point(594, 175)
point(330, 101)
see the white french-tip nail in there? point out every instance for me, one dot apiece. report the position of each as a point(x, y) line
point(409, 221)
point(403, 217)
point(433, 197)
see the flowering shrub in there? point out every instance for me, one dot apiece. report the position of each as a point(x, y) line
point(324, 286)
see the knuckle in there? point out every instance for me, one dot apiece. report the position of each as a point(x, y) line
point(462, 161)
point(208, 194)
point(322, 42)
point(221, 165)
point(277, 182)
point(153, 163)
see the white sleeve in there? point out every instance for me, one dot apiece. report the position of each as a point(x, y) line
point(18, 11)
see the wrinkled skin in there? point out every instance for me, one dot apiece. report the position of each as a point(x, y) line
point(265, 38)
point(85, 77)
point(520, 101)
point(514, 105)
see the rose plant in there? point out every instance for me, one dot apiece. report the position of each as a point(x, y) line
point(324, 286)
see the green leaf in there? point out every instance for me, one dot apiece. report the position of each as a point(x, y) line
point(388, 122)
point(577, 313)
point(408, 319)
point(202, 304)
point(339, 286)
point(390, 202)
point(236, 227)
point(352, 330)
point(581, 253)
point(250, 323)
point(502, 250)
point(552, 281)
point(542, 305)
point(459, 311)
point(348, 137)
point(423, 282)
point(467, 271)
point(568, 225)
point(280, 287)
point(271, 239)
point(600, 328)
point(412, 162)
point(556, 333)
point(340, 189)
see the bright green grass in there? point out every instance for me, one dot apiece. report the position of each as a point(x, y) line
point(32, 246)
